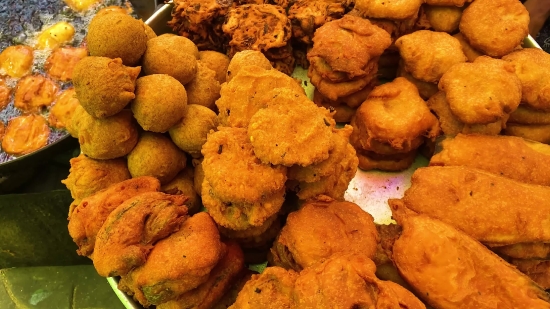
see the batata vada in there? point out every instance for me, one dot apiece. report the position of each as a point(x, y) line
point(190, 133)
point(215, 61)
point(204, 89)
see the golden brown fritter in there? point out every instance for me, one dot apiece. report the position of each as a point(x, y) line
point(306, 16)
point(498, 33)
point(531, 64)
point(173, 55)
point(183, 184)
point(127, 237)
point(246, 58)
point(401, 9)
point(492, 209)
point(34, 93)
point(443, 18)
point(204, 89)
point(230, 296)
point(16, 61)
point(458, 3)
point(155, 155)
point(86, 219)
point(425, 89)
point(340, 112)
point(249, 91)
point(518, 159)
point(88, 176)
point(61, 62)
point(527, 115)
point(5, 94)
point(483, 91)
point(255, 236)
point(219, 281)
point(457, 271)
point(198, 176)
point(369, 160)
point(272, 289)
point(106, 138)
point(348, 281)
point(190, 133)
point(333, 90)
point(160, 102)
point(25, 134)
point(104, 86)
point(130, 42)
point(427, 55)
point(537, 250)
point(537, 270)
point(538, 133)
point(215, 61)
point(321, 228)
point(178, 263)
point(63, 110)
point(291, 130)
point(470, 52)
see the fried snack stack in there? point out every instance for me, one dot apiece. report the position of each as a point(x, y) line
point(344, 63)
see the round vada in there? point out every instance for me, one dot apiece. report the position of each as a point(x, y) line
point(215, 61)
point(190, 133)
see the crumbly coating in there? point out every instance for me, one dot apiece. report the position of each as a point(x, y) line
point(204, 89)
point(246, 58)
point(498, 33)
point(190, 133)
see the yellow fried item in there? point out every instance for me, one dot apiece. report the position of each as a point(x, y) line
point(81, 5)
point(106, 138)
point(347, 280)
point(307, 16)
point(215, 61)
point(34, 93)
point(518, 159)
point(16, 61)
point(5, 94)
point(190, 133)
point(25, 134)
point(204, 89)
point(130, 43)
point(272, 289)
point(219, 281)
point(255, 236)
point(531, 64)
point(86, 219)
point(427, 55)
point(336, 90)
point(246, 58)
point(160, 102)
point(61, 62)
point(539, 133)
point(62, 112)
point(177, 264)
point(537, 250)
point(537, 270)
point(400, 9)
point(291, 130)
point(483, 91)
point(390, 163)
point(61, 33)
point(321, 228)
point(526, 115)
point(458, 3)
point(104, 86)
point(183, 184)
point(155, 155)
point(457, 271)
point(130, 231)
point(425, 89)
point(88, 176)
point(470, 52)
point(443, 18)
point(233, 171)
point(492, 209)
point(496, 33)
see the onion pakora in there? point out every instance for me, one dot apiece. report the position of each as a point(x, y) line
point(25, 134)
point(61, 62)
point(16, 61)
point(34, 93)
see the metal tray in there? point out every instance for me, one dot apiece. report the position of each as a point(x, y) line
point(370, 190)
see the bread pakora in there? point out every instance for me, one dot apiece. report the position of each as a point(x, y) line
point(495, 27)
point(190, 133)
point(25, 134)
point(87, 217)
point(33, 93)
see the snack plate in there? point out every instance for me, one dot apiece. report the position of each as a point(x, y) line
point(370, 190)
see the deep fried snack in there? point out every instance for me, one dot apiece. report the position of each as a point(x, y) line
point(34, 93)
point(78, 116)
point(255, 236)
point(388, 9)
point(183, 184)
point(219, 281)
point(249, 91)
point(457, 271)
point(443, 18)
point(106, 138)
point(215, 61)
point(234, 172)
point(451, 125)
point(63, 109)
point(198, 176)
point(492, 209)
point(531, 64)
point(130, 43)
point(155, 155)
point(273, 288)
point(246, 58)
point(321, 228)
point(25, 134)
point(127, 237)
point(173, 55)
point(190, 133)
point(538, 251)
point(496, 33)
point(87, 217)
point(306, 16)
point(458, 3)
point(5, 94)
point(16, 61)
point(204, 89)
point(237, 285)
point(390, 163)
point(470, 52)
point(104, 86)
point(178, 263)
point(539, 133)
point(88, 176)
point(518, 159)
point(537, 270)
point(351, 274)
point(387, 105)
point(425, 89)
point(61, 62)
point(160, 102)
point(427, 55)
point(483, 91)
point(335, 59)
point(526, 115)
point(291, 130)
point(340, 112)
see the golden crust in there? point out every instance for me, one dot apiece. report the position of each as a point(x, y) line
point(190, 133)
point(307, 16)
point(183, 184)
point(204, 89)
point(215, 61)
point(470, 52)
point(246, 58)
point(389, 163)
point(25, 134)
point(538, 250)
point(401, 9)
point(443, 18)
point(334, 91)
point(255, 237)
point(34, 93)
point(527, 115)
point(539, 133)
point(425, 89)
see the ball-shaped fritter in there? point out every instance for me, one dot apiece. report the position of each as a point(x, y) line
point(190, 133)
point(155, 155)
point(183, 184)
point(160, 102)
point(215, 61)
point(204, 89)
point(173, 55)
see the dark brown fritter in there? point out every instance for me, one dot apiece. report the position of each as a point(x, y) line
point(306, 16)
